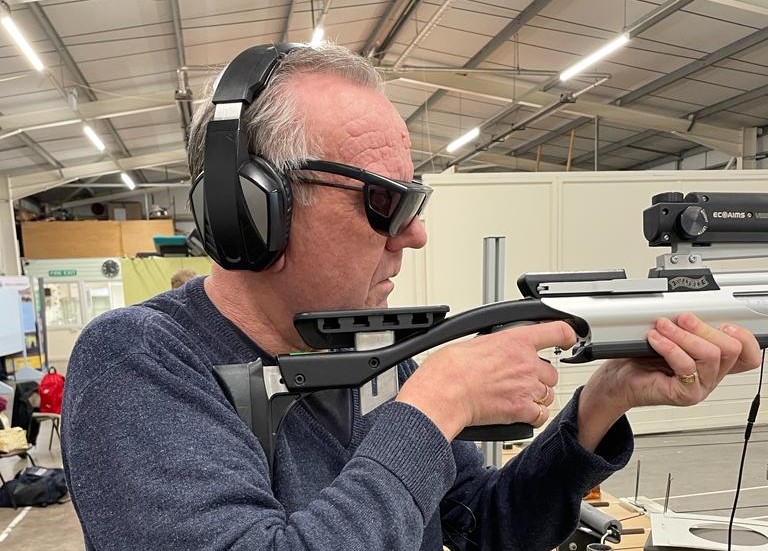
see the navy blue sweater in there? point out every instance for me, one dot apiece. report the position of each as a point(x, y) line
point(157, 458)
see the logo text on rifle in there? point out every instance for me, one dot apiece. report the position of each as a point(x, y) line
point(688, 282)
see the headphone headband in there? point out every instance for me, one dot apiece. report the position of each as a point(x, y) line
point(247, 75)
point(241, 204)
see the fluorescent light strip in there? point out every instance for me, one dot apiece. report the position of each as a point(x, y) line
point(127, 180)
point(15, 33)
point(94, 138)
point(593, 58)
point(463, 140)
point(317, 37)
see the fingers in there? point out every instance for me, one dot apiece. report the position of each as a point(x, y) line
point(540, 415)
point(547, 374)
point(730, 348)
point(750, 356)
point(698, 353)
point(682, 349)
point(547, 398)
point(544, 335)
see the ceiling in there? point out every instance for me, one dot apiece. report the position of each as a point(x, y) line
point(694, 74)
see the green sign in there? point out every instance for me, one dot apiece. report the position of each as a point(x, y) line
point(62, 273)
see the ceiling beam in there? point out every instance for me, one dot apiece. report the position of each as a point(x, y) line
point(143, 190)
point(423, 33)
point(756, 6)
point(541, 140)
point(518, 163)
point(40, 150)
point(722, 138)
point(29, 184)
point(510, 30)
point(77, 76)
point(102, 109)
point(178, 33)
point(183, 94)
point(388, 26)
point(513, 163)
point(615, 146)
point(730, 102)
point(654, 16)
point(636, 28)
point(288, 20)
point(695, 116)
point(695, 66)
point(647, 165)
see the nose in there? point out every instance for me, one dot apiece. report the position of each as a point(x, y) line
point(414, 237)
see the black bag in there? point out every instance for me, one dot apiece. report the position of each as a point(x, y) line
point(34, 486)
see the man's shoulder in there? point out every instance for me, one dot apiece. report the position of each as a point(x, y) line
point(160, 316)
point(127, 325)
point(135, 339)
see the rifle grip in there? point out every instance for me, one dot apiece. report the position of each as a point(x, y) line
point(496, 433)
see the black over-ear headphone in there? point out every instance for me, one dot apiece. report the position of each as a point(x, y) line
point(240, 202)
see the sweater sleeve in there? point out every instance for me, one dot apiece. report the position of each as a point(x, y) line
point(156, 458)
point(533, 502)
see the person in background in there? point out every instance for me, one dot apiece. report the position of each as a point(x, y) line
point(181, 277)
point(157, 458)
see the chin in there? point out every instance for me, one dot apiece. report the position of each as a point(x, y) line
point(377, 302)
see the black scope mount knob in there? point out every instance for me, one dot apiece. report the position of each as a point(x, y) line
point(693, 222)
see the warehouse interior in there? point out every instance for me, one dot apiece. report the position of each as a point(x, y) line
point(96, 105)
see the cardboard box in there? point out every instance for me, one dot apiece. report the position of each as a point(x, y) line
point(124, 211)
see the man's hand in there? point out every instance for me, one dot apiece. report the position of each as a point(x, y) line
point(694, 359)
point(496, 378)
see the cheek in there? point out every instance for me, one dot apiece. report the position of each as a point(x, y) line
point(336, 247)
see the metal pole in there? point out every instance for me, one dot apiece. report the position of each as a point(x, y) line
point(9, 244)
point(42, 331)
point(493, 291)
point(493, 269)
point(597, 141)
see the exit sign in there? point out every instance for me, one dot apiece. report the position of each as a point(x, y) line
point(62, 273)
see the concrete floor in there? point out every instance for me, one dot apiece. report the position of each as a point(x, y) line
point(52, 528)
point(703, 465)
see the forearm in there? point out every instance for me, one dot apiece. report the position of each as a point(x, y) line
point(597, 413)
point(533, 502)
point(192, 458)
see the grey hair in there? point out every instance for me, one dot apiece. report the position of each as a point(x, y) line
point(275, 125)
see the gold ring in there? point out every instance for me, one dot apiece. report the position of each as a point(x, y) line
point(545, 399)
point(540, 415)
point(689, 379)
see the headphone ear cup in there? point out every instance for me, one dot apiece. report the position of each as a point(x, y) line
point(281, 208)
point(200, 216)
point(260, 218)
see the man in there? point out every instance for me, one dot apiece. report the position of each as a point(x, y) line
point(181, 277)
point(157, 458)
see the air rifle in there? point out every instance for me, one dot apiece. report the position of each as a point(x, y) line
point(610, 313)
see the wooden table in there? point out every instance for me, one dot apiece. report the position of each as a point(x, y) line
point(629, 517)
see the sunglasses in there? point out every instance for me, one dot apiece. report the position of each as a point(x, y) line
point(390, 205)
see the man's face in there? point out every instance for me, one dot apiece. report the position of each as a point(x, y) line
point(335, 260)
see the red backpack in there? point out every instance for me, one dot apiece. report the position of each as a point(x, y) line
point(51, 389)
